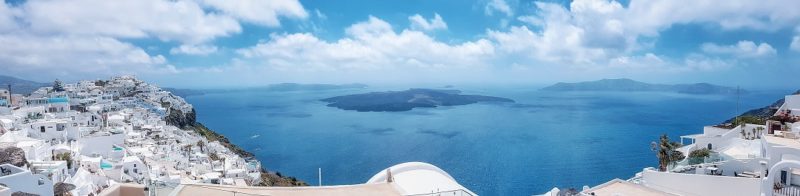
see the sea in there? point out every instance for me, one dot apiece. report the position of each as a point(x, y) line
point(543, 140)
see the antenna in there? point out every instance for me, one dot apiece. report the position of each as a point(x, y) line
point(9, 96)
point(737, 106)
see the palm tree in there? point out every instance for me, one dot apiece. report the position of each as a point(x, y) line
point(58, 86)
point(202, 145)
point(759, 131)
point(744, 136)
point(666, 151)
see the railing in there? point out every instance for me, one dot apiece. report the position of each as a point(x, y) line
point(788, 191)
point(458, 192)
point(232, 193)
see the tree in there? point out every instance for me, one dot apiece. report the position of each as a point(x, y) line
point(698, 156)
point(64, 157)
point(58, 86)
point(666, 152)
point(759, 131)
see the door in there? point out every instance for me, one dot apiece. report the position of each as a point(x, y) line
point(783, 177)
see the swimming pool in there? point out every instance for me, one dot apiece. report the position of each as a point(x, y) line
point(105, 165)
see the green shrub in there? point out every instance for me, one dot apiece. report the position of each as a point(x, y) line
point(749, 120)
point(699, 155)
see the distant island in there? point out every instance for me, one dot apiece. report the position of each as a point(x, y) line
point(20, 86)
point(628, 85)
point(395, 101)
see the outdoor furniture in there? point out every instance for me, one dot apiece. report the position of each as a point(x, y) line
point(713, 170)
point(789, 135)
point(749, 174)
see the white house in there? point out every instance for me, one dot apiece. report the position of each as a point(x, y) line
point(35, 149)
point(56, 170)
point(135, 168)
point(100, 143)
point(53, 129)
point(22, 180)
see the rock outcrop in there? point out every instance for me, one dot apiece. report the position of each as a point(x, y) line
point(13, 155)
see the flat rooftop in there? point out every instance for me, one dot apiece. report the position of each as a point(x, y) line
point(619, 187)
point(743, 149)
point(790, 143)
point(344, 190)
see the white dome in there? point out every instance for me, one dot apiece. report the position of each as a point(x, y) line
point(419, 178)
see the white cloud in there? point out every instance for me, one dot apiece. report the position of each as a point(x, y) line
point(597, 32)
point(498, 6)
point(565, 37)
point(650, 16)
point(744, 48)
point(705, 63)
point(6, 18)
point(259, 11)
point(647, 61)
point(419, 23)
point(73, 56)
point(586, 34)
point(652, 63)
point(80, 38)
point(369, 45)
point(795, 45)
point(320, 15)
point(193, 49)
point(531, 20)
point(184, 21)
point(370, 28)
point(187, 21)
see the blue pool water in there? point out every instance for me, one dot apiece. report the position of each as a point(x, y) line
point(545, 140)
point(105, 165)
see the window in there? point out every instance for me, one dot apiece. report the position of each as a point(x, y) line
point(41, 129)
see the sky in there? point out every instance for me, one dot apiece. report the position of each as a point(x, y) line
point(234, 43)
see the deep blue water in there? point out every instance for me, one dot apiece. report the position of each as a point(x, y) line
point(545, 140)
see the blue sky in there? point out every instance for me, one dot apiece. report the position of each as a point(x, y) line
point(220, 43)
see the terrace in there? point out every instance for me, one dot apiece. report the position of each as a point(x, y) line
point(739, 158)
point(782, 140)
point(621, 187)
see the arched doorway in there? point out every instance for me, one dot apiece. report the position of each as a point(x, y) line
point(768, 184)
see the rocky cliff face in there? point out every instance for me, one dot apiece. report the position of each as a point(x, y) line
point(188, 121)
point(183, 120)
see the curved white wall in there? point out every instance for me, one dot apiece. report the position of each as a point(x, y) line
point(769, 181)
point(418, 178)
point(700, 185)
